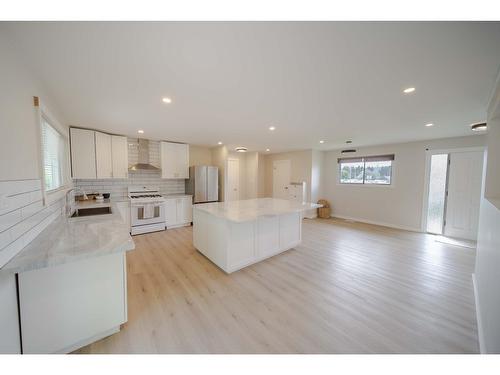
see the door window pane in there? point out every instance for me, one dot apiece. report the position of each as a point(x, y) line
point(437, 191)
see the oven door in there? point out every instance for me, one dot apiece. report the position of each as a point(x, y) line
point(137, 213)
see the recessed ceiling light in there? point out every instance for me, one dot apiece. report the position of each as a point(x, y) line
point(481, 126)
point(322, 141)
point(219, 143)
point(409, 90)
point(429, 125)
point(267, 150)
point(241, 149)
point(272, 128)
point(140, 131)
point(166, 100)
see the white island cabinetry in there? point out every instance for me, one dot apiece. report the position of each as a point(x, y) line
point(236, 234)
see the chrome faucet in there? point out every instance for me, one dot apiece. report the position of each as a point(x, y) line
point(68, 205)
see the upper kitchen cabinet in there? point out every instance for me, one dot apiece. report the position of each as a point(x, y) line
point(119, 155)
point(83, 160)
point(174, 160)
point(98, 155)
point(104, 161)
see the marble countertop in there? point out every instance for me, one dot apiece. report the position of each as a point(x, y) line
point(251, 209)
point(72, 239)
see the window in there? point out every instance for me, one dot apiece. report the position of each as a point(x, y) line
point(371, 170)
point(54, 148)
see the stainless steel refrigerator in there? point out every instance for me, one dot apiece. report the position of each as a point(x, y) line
point(203, 183)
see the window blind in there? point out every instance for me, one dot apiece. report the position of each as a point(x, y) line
point(366, 159)
point(53, 156)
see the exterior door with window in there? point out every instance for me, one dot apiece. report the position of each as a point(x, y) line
point(281, 178)
point(464, 194)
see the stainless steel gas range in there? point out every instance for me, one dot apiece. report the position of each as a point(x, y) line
point(147, 210)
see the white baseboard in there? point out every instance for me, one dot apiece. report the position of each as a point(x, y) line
point(390, 225)
point(482, 346)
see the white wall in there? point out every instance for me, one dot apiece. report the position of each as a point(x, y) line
point(219, 158)
point(19, 151)
point(487, 271)
point(301, 167)
point(22, 214)
point(317, 174)
point(261, 176)
point(199, 155)
point(398, 205)
point(252, 175)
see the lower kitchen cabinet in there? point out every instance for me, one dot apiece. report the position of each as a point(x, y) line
point(69, 306)
point(178, 211)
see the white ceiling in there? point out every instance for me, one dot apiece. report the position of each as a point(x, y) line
point(230, 81)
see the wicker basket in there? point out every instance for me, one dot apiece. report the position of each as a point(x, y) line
point(325, 211)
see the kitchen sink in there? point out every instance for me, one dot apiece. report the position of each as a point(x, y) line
point(92, 211)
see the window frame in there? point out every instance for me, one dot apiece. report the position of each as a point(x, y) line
point(364, 160)
point(44, 115)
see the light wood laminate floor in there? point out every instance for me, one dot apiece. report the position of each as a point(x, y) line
point(348, 288)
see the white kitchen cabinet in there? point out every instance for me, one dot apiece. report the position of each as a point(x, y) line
point(170, 212)
point(174, 160)
point(103, 154)
point(83, 160)
point(98, 155)
point(178, 211)
point(119, 156)
point(69, 306)
point(182, 160)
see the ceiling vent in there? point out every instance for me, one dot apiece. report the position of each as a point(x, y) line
point(348, 151)
point(241, 149)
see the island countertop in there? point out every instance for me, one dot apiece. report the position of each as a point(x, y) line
point(251, 209)
point(67, 240)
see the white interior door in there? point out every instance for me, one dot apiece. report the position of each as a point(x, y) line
point(233, 180)
point(464, 194)
point(281, 178)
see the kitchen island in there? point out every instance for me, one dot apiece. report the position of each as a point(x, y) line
point(236, 234)
point(71, 282)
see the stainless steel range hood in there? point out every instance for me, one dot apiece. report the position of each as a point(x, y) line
point(143, 160)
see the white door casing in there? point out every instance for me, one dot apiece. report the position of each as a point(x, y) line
point(281, 178)
point(233, 180)
point(464, 194)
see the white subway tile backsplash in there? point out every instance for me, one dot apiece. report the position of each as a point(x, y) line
point(19, 187)
point(10, 219)
point(118, 188)
point(23, 216)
